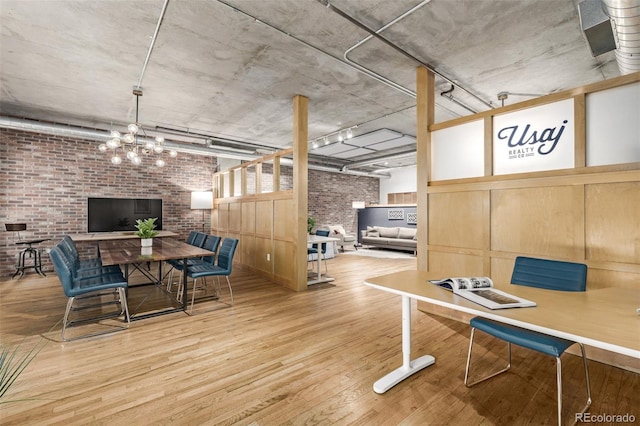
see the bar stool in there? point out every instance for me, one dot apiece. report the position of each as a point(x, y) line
point(29, 251)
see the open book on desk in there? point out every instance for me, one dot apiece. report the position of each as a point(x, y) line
point(480, 290)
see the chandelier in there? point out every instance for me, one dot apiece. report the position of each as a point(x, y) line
point(132, 146)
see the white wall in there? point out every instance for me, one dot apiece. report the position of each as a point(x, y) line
point(402, 180)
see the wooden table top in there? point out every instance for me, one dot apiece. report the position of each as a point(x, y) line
point(121, 252)
point(117, 235)
point(604, 318)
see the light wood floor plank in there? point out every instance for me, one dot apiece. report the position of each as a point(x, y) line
point(283, 358)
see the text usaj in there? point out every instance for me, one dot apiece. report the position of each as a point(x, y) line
point(546, 139)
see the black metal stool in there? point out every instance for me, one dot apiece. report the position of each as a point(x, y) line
point(32, 252)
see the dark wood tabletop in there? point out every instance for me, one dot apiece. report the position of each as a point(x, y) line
point(122, 252)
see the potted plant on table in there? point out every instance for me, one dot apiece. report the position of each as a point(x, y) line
point(146, 231)
point(311, 222)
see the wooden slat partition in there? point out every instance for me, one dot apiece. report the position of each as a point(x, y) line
point(477, 226)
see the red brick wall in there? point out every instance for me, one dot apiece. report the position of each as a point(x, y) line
point(46, 180)
point(331, 194)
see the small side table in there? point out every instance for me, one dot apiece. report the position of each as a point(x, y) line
point(34, 253)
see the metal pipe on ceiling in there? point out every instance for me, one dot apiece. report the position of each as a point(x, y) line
point(373, 33)
point(153, 42)
point(13, 123)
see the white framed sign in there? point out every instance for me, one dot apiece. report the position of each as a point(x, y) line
point(534, 139)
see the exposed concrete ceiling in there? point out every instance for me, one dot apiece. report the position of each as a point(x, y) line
point(229, 69)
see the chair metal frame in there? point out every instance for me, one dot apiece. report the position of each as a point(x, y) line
point(540, 273)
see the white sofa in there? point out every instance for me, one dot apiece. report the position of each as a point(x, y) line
point(338, 231)
point(397, 238)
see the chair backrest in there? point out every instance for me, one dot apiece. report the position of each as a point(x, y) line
point(192, 236)
point(323, 233)
point(226, 252)
point(549, 274)
point(62, 268)
point(70, 250)
point(199, 240)
point(211, 244)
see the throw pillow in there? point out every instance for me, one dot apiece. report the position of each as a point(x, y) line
point(406, 233)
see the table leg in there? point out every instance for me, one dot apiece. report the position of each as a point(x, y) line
point(184, 284)
point(318, 260)
point(408, 367)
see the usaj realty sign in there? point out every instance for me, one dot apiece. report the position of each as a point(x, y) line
point(535, 139)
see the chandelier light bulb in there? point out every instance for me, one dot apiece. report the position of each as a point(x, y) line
point(133, 128)
point(160, 163)
point(173, 154)
point(149, 145)
point(116, 160)
point(113, 143)
point(129, 138)
point(115, 134)
point(159, 139)
point(158, 149)
point(131, 155)
point(136, 160)
point(103, 147)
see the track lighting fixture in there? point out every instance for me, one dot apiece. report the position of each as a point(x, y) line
point(340, 137)
point(349, 134)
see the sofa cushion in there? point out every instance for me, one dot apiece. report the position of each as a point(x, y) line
point(387, 232)
point(337, 229)
point(407, 233)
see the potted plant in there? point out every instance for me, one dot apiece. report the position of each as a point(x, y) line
point(311, 222)
point(146, 231)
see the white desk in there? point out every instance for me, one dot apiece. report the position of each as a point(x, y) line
point(317, 239)
point(604, 318)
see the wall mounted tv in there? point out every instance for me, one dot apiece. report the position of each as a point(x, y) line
point(120, 214)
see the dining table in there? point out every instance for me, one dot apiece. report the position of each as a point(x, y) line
point(129, 253)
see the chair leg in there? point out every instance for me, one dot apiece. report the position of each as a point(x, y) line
point(466, 372)
point(65, 320)
point(230, 291)
point(586, 377)
point(559, 380)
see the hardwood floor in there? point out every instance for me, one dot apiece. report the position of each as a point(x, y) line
point(283, 358)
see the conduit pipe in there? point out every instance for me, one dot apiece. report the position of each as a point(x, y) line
point(101, 136)
point(389, 43)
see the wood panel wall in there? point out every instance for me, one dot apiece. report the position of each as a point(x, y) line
point(591, 215)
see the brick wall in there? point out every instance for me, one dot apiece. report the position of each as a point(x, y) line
point(46, 180)
point(331, 194)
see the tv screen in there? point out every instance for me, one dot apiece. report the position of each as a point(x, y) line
point(120, 214)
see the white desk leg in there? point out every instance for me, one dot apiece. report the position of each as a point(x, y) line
point(408, 367)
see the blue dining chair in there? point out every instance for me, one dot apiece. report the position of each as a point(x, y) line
point(549, 275)
point(322, 250)
point(222, 268)
point(74, 285)
point(210, 244)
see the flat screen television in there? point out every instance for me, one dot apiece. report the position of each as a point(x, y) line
point(120, 214)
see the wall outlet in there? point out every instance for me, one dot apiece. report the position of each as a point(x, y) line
point(268, 257)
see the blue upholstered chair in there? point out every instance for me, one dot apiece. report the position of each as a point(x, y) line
point(322, 250)
point(212, 242)
point(77, 284)
point(198, 239)
point(222, 268)
point(545, 274)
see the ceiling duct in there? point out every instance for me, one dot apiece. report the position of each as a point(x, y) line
point(625, 20)
point(98, 135)
point(596, 27)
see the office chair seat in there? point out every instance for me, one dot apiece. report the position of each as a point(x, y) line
point(546, 274)
point(533, 340)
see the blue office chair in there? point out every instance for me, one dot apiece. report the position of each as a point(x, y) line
point(546, 274)
point(76, 284)
point(322, 250)
point(210, 244)
point(223, 267)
